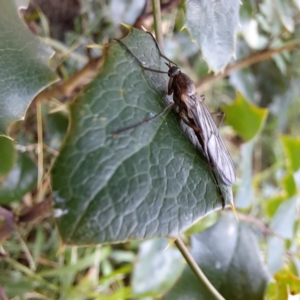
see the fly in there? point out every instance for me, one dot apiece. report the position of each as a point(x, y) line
point(194, 113)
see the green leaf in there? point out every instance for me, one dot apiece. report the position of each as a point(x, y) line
point(289, 185)
point(246, 118)
point(275, 254)
point(203, 224)
point(21, 180)
point(268, 17)
point(284, 219)
point(146, 182)
point(296, 265)
point(7, 155)
point(286, 13)
point(15, 284)
point(157, 268)
point(213, 26)
point(24, 70)
point(246, 11)
point(56, 125)
point(245, 194)
point(244, 81)
point(291, 148)
point(229, 256)
point(272, 204)
point(285, 283)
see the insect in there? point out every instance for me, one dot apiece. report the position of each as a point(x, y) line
point(194, 113)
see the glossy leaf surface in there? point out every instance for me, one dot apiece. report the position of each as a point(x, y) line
point(24, 67)
point(21, 180)
point(157, 267)
point(146, 182)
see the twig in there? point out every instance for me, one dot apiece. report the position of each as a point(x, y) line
point(27, 253)
point(146, 18)
point(40, 147)
point(257, 57)
point(261, 225)
point(157, 23)
point(68, 87)
point(197, 271)
point(65, 51)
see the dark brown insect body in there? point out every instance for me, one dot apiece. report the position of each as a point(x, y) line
point(193, 112)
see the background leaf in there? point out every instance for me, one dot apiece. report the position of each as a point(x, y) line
point(21, 180)
point(228, 254)
point(285, 284)
point(275, 252)
point(286, 13)
point(145, 182)
point(7, 155)
point(245, 195)
point(213, 26)
point(291, 147)
point(157, 268)
point(283, 221)
point(24, 67)
point(289, 185)
point(250, 118)
point(16, 284)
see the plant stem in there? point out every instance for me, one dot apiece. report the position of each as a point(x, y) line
point(157, 23)
point(248, 61)
point(40, 143)
point(196, 269)
point(257, 222)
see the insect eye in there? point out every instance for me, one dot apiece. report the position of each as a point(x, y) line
point(173, 71)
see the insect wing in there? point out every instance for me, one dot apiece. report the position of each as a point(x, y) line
point(221, 159)
point(214, 146)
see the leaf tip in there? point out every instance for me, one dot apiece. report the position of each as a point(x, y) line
point(234, 211)
point(126, 26)
point(171, 242)
point(144, 28)
point(183, 27)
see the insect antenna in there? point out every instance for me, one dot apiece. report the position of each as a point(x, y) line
point(140, 63)
point(160, 53)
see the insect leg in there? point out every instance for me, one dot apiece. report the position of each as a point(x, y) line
point(140, 63)
point(194, 127)
point(219, 113)
point(145, 121)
